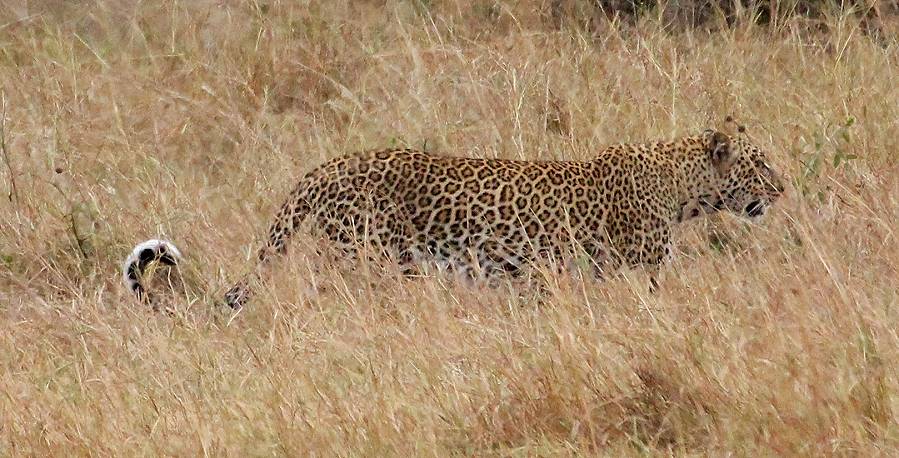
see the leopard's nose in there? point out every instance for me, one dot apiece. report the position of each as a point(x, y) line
point(776, 185)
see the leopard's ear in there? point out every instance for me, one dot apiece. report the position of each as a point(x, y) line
point(720, 151)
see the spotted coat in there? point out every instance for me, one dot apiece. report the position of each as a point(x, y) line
point(484, 216)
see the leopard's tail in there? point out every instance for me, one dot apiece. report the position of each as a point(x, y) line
point(141, 256)
point(286, 221)
point(291, 214)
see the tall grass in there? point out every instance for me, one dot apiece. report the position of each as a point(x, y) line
point(125, 120)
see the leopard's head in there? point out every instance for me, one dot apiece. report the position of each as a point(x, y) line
point(742, 181)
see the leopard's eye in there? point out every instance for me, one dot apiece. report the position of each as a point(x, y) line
point(761, 164)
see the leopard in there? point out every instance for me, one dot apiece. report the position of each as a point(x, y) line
point(485, 217)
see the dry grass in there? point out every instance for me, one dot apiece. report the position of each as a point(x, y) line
point(126, 120)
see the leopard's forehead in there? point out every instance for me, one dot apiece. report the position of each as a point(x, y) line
point(746, 147)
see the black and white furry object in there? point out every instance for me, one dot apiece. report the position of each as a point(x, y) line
point(141, 256)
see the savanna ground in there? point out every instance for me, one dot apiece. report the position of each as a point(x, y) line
point(191, 120)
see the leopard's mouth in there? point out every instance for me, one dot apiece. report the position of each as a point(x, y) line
point(755, 209)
